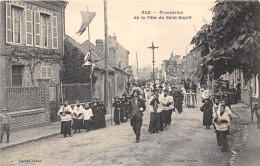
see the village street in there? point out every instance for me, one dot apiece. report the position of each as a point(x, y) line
point(186, 142)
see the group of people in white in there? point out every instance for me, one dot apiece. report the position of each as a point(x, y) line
point(77, 118)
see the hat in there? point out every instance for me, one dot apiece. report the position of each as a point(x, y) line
point(165, 90)
point(160, 86)
point(5, 109)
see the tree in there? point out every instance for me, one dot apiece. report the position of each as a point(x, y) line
point(232, 40)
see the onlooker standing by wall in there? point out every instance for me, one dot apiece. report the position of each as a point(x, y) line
point(5, 125)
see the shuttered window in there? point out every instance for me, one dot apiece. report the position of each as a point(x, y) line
point(29, 28)
point(37, 34)
point(13, 24)
point(54, 33)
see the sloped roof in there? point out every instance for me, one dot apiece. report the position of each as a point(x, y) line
point(96, 54)
point(100, 55)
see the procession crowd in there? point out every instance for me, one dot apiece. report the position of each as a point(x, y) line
point(161, 100)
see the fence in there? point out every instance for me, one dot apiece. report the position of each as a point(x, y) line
point(76, 91)
point(21, 98)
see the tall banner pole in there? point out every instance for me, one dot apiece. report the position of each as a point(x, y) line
point(106, 54)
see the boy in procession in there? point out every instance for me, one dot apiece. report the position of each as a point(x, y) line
point(77, 115)
point(5, 125)
point(154, 124)
point(165, 101)
point(65, 115)
point(222, 120)
point(87, 116)
point(171, 108)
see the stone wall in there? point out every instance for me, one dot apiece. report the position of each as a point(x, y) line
point(29, 118)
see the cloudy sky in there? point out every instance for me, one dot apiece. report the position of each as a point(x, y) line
point(138, 34)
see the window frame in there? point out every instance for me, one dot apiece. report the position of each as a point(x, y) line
point(32, 27)
point(21, 75)
point(46, 70)
point(47, 28)
point(22, 11)
point(56, 32)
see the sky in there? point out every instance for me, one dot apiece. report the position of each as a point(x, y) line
point(136, 35)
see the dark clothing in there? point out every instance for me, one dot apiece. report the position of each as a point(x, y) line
point(178, 98)
point(165, 116)
point(154, 124)
point(87, 125)
point(122, 111)
point(66, 128)
point(207, 114)
point(5, 128)
point(169, 119)
point(116, 104)
point(103, 112)
point(137, 124)
point(97, 117)
point(77, 124)
point(233, 96)
point(136, 116)
point(222, 139)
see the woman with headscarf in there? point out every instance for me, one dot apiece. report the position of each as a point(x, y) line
point(137, 107)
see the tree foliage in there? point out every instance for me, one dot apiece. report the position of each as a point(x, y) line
point(232, 40)
point(72, 69)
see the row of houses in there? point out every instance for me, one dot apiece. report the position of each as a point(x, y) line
point(33, 48)
point(192, 64)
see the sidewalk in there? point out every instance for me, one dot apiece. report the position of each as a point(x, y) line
point(24, 136)
point(249, 150)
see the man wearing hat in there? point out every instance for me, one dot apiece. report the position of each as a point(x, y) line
point(116, 104)
point(102, 113)
point(65, 115)
point(77, 114)
point(5, 124)
point(207, 113)
point(123, 108)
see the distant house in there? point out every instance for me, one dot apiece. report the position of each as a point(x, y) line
point(171, 68)
point(117, 78)
point(190, 65)
point(31, 48)
point(119, 52)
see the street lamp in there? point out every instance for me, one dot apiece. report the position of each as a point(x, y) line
point(153, 47)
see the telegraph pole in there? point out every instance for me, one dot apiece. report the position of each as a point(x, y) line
point(106, 54)
point(137, 66)
point(153, 47)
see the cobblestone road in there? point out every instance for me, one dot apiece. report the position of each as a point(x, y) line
point(186, 142)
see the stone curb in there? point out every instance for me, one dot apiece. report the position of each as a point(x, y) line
point(29, 141)
point(34, 140)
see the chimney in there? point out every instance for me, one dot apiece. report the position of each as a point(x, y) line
point(112, 53)
point(114, 36)
point(99, 45)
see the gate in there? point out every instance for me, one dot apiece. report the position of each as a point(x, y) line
point(54, 98)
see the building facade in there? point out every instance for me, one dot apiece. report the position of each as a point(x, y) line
point(172, 69)
point(190, 65)
point(31, 48)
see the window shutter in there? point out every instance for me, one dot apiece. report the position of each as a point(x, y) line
point(54, 32)
point(9, 33)
point(29, 28)
point(37, 29)
point(49, 72)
